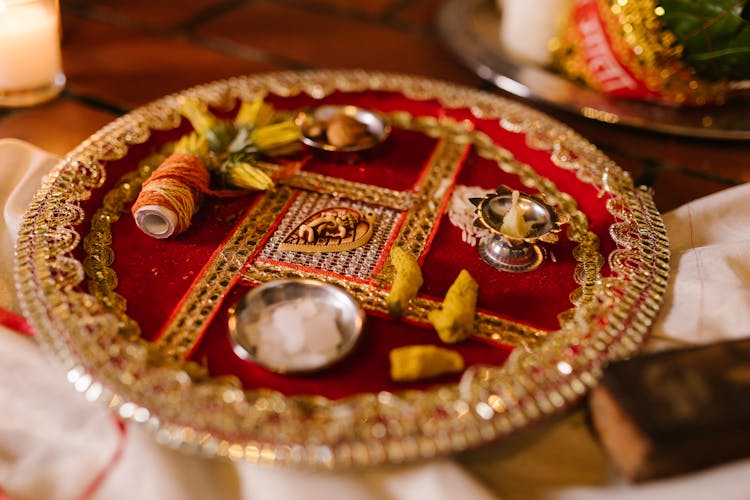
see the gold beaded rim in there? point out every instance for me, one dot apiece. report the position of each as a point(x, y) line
point(610, 321)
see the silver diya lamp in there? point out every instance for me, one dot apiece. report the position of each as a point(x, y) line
point(506, 251)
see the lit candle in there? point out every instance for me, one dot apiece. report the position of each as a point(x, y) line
point(528, 26)
point(30, 60)
point(514, 220)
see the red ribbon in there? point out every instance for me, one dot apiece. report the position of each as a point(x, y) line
point(15, 322)
point(606, 68)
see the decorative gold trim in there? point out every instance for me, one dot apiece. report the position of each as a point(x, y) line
point(189, 410)
point(311, 181)
point(373, 298)
point(187, 325)
point(180, 335)
point(443, 165)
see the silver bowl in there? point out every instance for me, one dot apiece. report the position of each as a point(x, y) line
point(378, 127)
point(273, 316)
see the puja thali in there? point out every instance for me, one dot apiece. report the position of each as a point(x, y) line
point(141, 323)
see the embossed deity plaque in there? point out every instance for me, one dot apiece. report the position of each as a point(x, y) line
point(331, 230)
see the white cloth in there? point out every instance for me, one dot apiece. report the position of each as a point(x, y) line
point(22, 167)
point(709, 297)
point(56, 445)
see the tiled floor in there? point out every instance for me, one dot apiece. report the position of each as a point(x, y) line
point(121, 54)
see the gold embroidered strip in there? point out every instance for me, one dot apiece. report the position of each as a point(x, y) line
point(311, 181)
point(422, 218)
point(373, 298)
point(184, 331)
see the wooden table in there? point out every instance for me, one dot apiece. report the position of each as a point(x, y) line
point(120, 55)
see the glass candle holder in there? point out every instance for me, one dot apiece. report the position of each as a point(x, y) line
point(30, 60)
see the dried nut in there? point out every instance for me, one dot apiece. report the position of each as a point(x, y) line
point(345, 131)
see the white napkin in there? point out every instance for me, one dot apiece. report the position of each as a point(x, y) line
point(709, 297)
point(56, 445)
point(22, 167)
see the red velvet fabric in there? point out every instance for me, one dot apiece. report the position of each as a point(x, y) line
point(154, 275)
point(365, 370)
point(396, 164)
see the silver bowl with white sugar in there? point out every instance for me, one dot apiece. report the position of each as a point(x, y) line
point(295, 326)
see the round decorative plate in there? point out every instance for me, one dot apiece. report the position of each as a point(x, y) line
point(470, 28)
point(141, 323)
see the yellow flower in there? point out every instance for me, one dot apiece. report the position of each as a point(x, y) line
point(245, 176)
point(275, 135)
point(255, 113)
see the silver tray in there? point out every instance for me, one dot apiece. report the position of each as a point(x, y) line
point(470, 29)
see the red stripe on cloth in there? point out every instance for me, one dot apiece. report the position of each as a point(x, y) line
point(113, 461)
point(19, 324)
point(15, 322)
point(4, 496)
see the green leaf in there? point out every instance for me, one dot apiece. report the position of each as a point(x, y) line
point(714, 35)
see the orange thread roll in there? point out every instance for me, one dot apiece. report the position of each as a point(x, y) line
point(168, 198)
